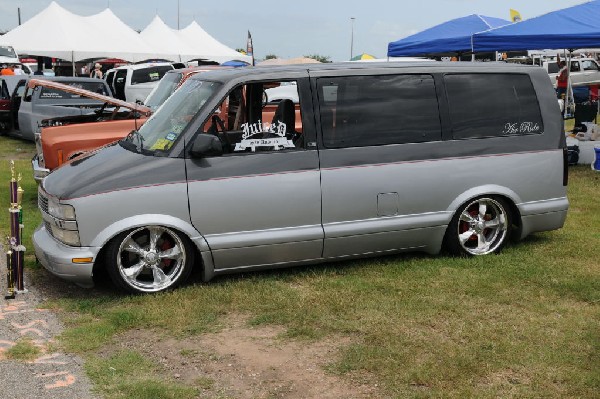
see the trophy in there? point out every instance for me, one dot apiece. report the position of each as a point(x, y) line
point(15, 255)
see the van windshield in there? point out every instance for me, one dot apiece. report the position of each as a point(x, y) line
point(162, 129)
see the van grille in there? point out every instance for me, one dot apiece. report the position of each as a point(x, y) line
point(48, 228)
point(42, 201)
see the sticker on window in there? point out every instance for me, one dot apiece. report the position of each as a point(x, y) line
point(273, 137)
point(521, 128)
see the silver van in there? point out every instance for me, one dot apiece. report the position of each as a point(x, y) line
point(372, 159)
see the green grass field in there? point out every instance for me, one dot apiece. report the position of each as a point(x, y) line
point(525, 323)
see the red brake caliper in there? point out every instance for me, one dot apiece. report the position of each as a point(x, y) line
point(166, 244)
point(464, 226)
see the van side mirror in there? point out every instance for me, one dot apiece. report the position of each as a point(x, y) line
point(206, 145)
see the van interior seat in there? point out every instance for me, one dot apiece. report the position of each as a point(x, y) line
point(285, 113)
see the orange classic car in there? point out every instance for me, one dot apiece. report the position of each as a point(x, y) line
point(64, 138)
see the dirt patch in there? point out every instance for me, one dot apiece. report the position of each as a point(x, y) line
point(248, 362)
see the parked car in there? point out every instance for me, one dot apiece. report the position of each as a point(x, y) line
point(133, 83)
point(6, 88)
point(583, 71)
point(64, 138)
point(387, 158)
point(31, 103)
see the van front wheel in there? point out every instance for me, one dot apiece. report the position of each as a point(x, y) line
point(149, 259)
point(479, 227)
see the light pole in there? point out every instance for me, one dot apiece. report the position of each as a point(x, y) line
point(352, 36)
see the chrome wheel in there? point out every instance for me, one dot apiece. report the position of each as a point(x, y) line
point(151, 259)
point(482, 226)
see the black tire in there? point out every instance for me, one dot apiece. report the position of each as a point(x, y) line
point(481, 226)
point(149, 259)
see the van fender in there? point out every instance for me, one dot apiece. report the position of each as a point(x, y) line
point(488, 189)
point(180, 225)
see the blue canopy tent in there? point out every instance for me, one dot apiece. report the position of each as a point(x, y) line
point(569, 28)
point(448, 38)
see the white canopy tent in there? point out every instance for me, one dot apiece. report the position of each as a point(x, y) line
point(207, 47)
point(166, 40)
point(56, 32)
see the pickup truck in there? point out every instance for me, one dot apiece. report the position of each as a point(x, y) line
point(583, 71)
point(26, 105)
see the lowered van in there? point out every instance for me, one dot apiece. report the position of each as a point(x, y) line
point(373, 159)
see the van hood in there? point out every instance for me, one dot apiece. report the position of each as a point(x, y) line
point(112, 168)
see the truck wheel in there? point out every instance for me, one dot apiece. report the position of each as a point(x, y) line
point(149, 259)
point(480, 227)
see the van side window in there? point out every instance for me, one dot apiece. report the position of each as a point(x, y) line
point(492, 105)
point(362, 111)
point(259, 117)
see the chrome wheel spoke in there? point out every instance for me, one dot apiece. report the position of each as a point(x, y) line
point(464, 237)
point(155, 233)
point(160, 278)
point(496, 222)
point(133, 271)
point(482, 243)
point(465, 216)
point(482, 210)
point(171, 253)
point(132, 246)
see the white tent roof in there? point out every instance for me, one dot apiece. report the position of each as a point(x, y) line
point(166, 40)
point(207, 47)
point(56, 32)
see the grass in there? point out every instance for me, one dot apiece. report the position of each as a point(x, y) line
point(524, 323)
point(23, 350)
point(127, 374)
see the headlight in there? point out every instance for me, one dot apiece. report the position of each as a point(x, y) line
point(60, 211)
point(69, 237)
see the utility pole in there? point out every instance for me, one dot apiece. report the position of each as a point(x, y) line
point(19, 13)
point(352, 37)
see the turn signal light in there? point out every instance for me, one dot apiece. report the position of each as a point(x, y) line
point(82, 260)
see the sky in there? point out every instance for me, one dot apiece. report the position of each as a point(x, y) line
point(287, 29)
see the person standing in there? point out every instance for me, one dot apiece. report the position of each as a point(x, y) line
point(562, 79)
point(6, 70)
point(18, 70)
point(97, 72)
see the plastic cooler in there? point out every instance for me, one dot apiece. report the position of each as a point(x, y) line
point(596, 164)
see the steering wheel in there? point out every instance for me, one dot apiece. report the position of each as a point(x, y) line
point(218, 124)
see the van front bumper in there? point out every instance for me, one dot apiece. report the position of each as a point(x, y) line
point(38, 172)
point(57, 258)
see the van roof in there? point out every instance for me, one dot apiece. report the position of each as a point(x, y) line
point(224, 75)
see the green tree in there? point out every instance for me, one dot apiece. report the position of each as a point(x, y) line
point(320, 58)
point(270, 56)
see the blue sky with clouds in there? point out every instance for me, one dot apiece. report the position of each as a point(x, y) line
point(294, 28)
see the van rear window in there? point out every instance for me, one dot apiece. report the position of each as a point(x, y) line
point(359, 111)
point(150, 74)
point(492, 105)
